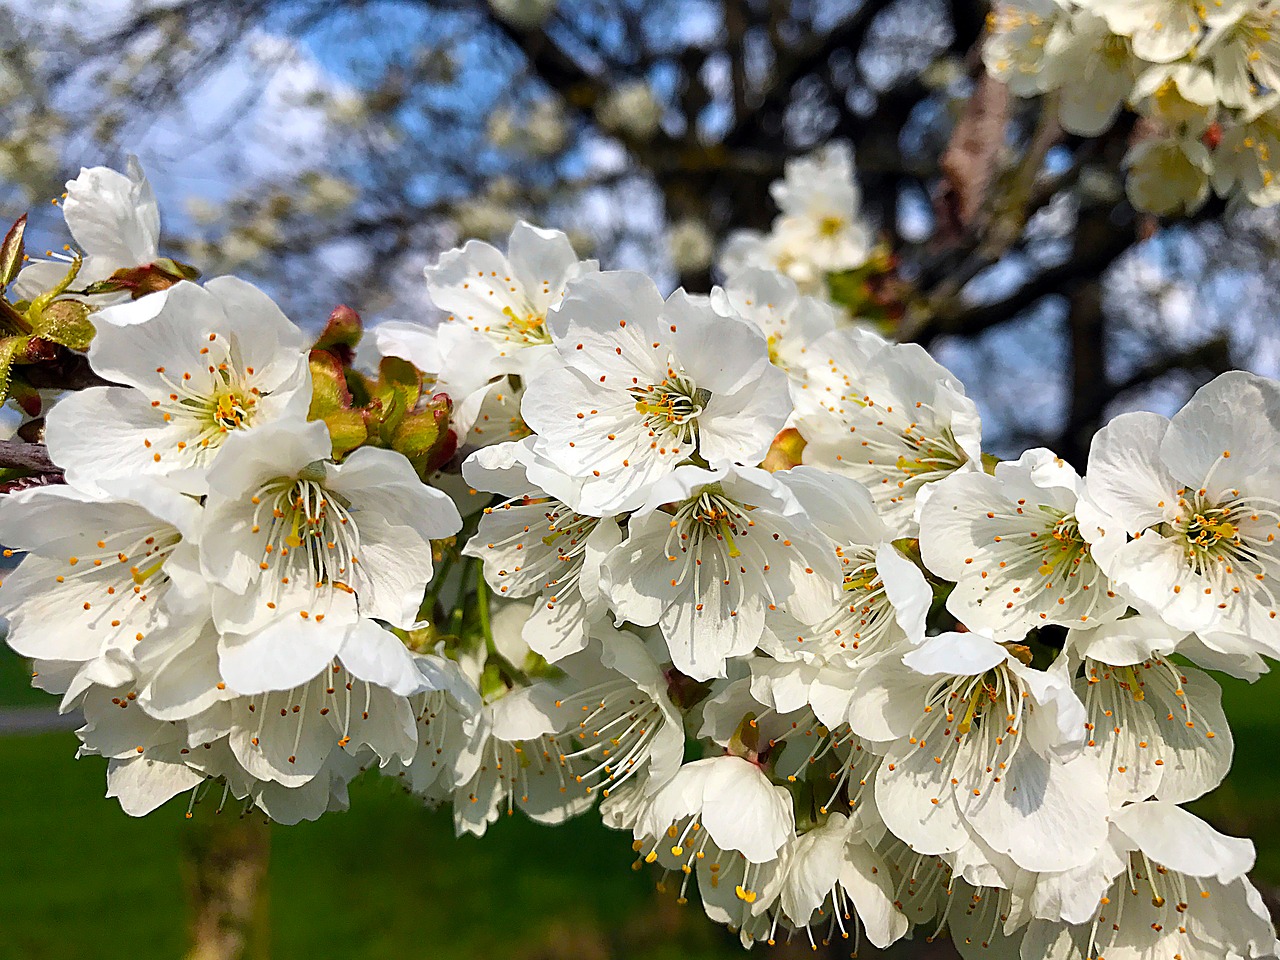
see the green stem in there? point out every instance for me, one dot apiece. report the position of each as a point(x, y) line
point(482, 607)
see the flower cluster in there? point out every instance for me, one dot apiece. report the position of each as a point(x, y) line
point(210, 587)
point(819, 230)
point(930, 693)
point(1205, 76)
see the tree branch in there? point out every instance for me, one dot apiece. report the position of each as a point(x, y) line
point(18, 455)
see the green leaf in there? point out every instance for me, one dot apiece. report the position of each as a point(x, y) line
point(11, 252)
point(65, 322)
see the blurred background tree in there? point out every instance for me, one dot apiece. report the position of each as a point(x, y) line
point(329, 149)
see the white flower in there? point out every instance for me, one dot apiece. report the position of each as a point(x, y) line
point(618, 724)
point(299, 548)
point(198, 365)
point(1012, 545)
point(114, 220)
point(1248, 158)
point(1163, 30)
point(979, 744)
point(1168, 176)
point(447, 715)
point(1181, 891)
point(819, 202)
point(97, 568)
point(1245, 52)
point(631, 109)
point(880, 601)
point(642, 386)
point(781, 252)
point(691, 245)
point(1093, 71)
point(1158, 726)
point(145, 766)
point(1180, 96)
point(1199, 497)
point(497, 303)
point(736, 543)
point(1015, 50)
point(795, 714)
point(835, 878)
point(517, 763)
point(357, 700)
point(721, 819)
point(716, 806)
point(791, 323)
point(889, 416)
point(533, 543)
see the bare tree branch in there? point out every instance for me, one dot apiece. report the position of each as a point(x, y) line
point(18, 455)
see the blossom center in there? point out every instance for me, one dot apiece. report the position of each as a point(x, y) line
point(211, 402)
point(310, 539)
point(527, 328)
point(671, 408)
point(616, 727)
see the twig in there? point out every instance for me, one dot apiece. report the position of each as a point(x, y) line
point(18, 455)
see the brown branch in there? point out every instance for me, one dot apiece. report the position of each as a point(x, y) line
point(1090, 260)
point(1212, 357)
point(18, 455)
point(969, 163)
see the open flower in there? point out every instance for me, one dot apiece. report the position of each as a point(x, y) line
point(1179, 890)
point(1157, 725)
point(1093, 71)
point(533, 543)
point(790, 322)
point(1015, 51)
point(708, 556)
point(1183, 514)
point(498, 303)
point(617, 725)
point(1012, 544)
point(1245, 52)
point(646, 385)
point(515, 761)
point(496, 326)
point(304, 547)
point(199, 364)
point(716, 805)
point(879, 603)
point(835, 879)
point(115, 222)
point(889, 416)
point(819, 202)
point(1163, 30)
point(979, 744)
point(99, 568)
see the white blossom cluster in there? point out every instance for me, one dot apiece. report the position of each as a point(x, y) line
point(819, 229)
point(739, 574)
point(1206, 75)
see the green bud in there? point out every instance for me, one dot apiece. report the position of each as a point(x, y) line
point(341, 334)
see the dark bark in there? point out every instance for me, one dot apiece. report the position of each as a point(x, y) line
point(225, 866)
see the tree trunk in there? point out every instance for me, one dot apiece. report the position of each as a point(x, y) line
point(225, 870)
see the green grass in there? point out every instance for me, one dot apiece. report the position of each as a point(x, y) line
point(389, 879)
point(15, 683)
